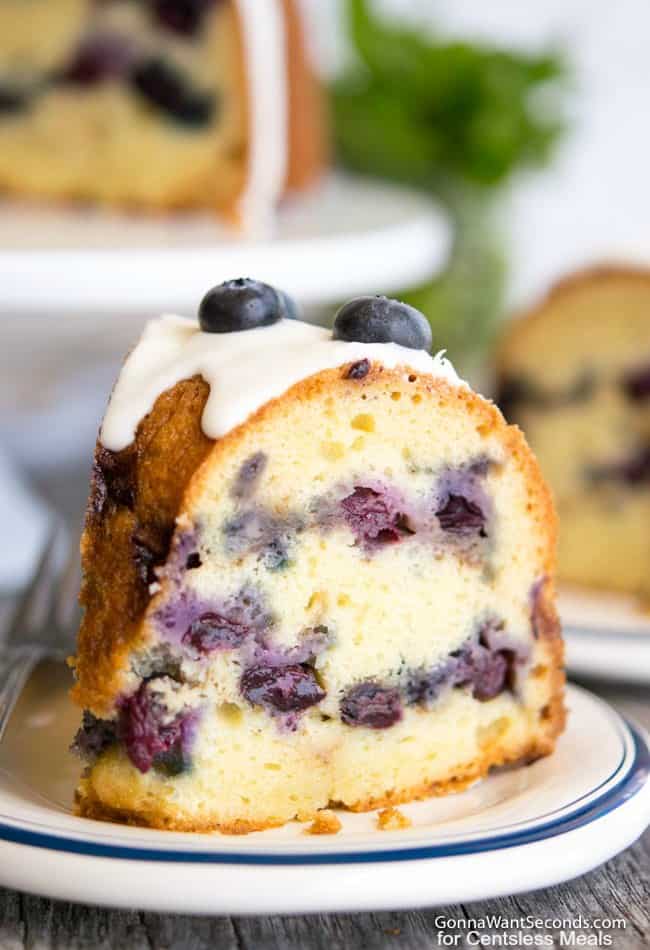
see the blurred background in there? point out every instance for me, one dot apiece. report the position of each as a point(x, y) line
point(525, 124)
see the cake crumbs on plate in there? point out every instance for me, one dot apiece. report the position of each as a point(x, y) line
point(325, 823)
point(392, 819)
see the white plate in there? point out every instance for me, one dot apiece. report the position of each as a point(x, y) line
point(607, 636)
point(517, 830)
point(347, 237)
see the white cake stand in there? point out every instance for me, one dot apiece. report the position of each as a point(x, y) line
point(349, 236)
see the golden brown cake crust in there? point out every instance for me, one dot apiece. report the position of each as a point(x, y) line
point(308, 152)
point(134, 499)
point(87, 805)
point(392, 819)
point(326, 822)
point(588, 276)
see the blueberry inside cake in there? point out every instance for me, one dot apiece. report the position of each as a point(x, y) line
point(157, 103)
point(575, 374)
point(318, 571)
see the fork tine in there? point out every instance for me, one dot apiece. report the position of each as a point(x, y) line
point(41, 580)
point(49, 627)
point(65, 609)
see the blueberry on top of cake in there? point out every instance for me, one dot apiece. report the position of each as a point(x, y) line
point(158, 103)
point(318, 569)
point(574, 372)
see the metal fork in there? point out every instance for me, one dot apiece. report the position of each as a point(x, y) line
point(43, 623)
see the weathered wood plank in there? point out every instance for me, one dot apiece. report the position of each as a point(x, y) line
point(34, 922)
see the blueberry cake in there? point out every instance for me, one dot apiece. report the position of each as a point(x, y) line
point(157, 103)
point(575, 374)
point(318, 572)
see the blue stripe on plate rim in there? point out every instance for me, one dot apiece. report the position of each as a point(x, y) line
point(620, 786)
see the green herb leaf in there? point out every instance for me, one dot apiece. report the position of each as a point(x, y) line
point(423, 109)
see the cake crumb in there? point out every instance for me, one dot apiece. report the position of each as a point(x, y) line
point(325, 823)
point(392, 819)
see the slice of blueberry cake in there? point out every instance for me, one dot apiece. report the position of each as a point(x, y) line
point(575, 374)
point(157, 103)
point(318, 571)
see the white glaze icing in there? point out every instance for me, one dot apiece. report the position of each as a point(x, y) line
point(266, 61)
point(244, 370)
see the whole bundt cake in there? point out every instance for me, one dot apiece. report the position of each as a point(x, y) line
point(318, 571)
point(158, 103)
